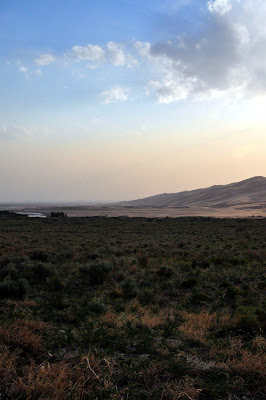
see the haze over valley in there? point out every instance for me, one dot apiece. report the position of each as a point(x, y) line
point(240, 199)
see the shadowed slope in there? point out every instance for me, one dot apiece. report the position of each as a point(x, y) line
point(247, 192)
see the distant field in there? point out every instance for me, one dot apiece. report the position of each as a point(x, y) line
point(148, 212)
point(132, 308)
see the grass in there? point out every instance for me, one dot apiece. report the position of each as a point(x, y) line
point(132, 308)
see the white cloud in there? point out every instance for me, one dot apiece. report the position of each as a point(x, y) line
point(24, 70)
point(131, 61)
point(28, 72)
point(243, 35)
point(219, 7)
point(45, 59)
point(171, 88)
point(143, 48)
point(13, 132)
point(90, 52)
point(114, 95)
point(226, 58)
point(3, 131)
point(38, 72)
point(115, 54)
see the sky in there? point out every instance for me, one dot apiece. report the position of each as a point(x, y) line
point(118, 100)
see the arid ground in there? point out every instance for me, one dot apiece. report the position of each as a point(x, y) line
point(132, 308)
point(148, 212)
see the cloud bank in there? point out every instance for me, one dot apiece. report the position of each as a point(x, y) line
point(225, 57)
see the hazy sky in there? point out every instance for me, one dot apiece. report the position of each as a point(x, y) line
point(109, 100)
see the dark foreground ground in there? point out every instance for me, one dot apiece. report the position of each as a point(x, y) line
point(132, 308)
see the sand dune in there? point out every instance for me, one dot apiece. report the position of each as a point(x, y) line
point(245, 194)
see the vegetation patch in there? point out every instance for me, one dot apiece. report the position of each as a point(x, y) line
point(132, 308)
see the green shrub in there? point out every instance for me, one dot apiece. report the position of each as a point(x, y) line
point(84, 269)
point(200, 264)
point(143, 259)
point(39, 255)
point(119, 276)
point(225, 285)
point(9, 289)
point(97, 272)
point(129, 288)
point(248, 321)
point(231, 291)
point(199, 298)
point(15, 260)
point(189, 283)
point(146, 296)
point(42, 271)
point(14, 289)
point(93, 256)
point(165, 272)
point(23, 287)
point(96, 306)
point(64, 256)
point(9, 270)
point(57, 283)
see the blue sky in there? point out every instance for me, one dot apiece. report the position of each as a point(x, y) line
point(110, 100)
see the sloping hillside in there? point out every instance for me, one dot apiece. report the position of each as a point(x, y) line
point(248, 192)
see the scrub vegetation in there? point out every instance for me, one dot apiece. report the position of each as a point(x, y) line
point(132, 308)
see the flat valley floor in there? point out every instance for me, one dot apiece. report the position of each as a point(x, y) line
point(249, 210)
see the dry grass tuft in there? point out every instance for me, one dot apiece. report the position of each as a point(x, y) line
point(259, 344)
point(248, 363)
point(150, 320)
point(182, 390)
point(196, 326)
point(241, 360)
point(7, 367)
point(136, 314)
point(59, 380)
point(24, 334)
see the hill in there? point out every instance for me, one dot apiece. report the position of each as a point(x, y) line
point(247, 193)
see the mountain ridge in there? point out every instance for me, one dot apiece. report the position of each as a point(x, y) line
point(246, 192)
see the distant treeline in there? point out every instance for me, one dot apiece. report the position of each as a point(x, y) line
point(7, 213)
point(58, 214)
